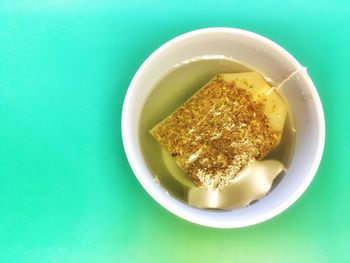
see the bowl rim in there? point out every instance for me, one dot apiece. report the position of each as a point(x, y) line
point(128, 141)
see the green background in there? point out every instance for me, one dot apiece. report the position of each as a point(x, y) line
point(67, 193)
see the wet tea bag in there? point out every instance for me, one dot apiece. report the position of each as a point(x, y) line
point(234, 120)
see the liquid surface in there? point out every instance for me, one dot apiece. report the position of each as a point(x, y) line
point(171, 92)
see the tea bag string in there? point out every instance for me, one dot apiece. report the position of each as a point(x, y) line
point(290, 76)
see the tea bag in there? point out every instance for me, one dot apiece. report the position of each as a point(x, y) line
point(231, 122)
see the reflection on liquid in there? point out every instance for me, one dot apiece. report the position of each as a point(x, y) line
point(251, 184)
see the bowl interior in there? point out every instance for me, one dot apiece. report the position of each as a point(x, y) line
point(268, 58)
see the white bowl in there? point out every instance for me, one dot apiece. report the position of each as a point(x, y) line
point(270, 59)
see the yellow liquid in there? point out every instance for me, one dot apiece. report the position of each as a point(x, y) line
point(168, 94)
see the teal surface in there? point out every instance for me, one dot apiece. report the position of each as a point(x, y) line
point(67, 193)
